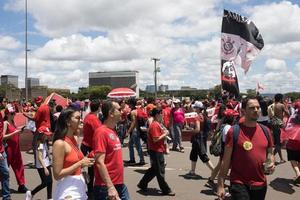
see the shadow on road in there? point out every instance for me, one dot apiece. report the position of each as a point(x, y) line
point(283, 185)
point(150, 192)
point(193, 177)
point(141, 171)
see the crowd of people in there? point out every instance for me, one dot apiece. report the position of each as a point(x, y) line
point(87, 140)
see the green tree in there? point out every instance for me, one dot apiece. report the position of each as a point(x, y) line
point(216, 92)
point(99, 92)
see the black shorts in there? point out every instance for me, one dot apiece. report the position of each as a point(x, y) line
point(276, 136)
point(293, 155)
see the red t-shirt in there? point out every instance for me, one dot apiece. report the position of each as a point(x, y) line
point(42, 117)
point(1, 135)
point(247, 165)
point(90, 124)
point(155, 130)
point(107, 141)
point(166, 116)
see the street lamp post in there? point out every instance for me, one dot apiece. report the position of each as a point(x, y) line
point(26, 51)
point(155, 75)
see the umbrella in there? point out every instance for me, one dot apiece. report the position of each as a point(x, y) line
point(121, 93)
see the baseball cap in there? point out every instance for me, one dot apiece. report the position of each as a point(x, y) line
point(198, 104)
point(297, 105)
point(38, 99)
point(230, 112)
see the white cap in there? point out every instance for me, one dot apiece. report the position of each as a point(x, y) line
point(198, 104)
point(176, 101)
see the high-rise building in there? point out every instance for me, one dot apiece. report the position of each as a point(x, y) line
point(9, 80)
point(115, 79)
point(31, 82)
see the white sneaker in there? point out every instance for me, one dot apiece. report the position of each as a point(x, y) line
point(28, 195)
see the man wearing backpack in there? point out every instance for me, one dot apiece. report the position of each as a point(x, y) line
point(245, 151)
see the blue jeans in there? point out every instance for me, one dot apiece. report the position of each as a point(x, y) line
point(100, 192)
point(135, 140)
point(5, 177)
point(177, 128)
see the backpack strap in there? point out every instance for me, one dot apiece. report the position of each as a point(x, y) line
point(266, 132)
point(236, 133)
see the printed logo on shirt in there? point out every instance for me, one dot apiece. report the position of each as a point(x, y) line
point(247, 145)
point(112, 136)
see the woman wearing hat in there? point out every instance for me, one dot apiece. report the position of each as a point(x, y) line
point(11, 139)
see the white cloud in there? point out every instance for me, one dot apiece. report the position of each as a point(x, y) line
point(277, 22)
point(79, 47)
point(9, 43)
point(185, 35)
point(276, 65)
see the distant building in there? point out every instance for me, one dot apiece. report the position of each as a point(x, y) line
point(31, 82)
point(163, 88)
point(9, 80)
point(187, 88)
point(150, 88)
point(160, 88)
point(115, 79)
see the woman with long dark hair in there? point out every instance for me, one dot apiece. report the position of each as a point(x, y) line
point(68, 160)
point(11, 139)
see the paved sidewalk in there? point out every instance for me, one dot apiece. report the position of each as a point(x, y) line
point(280, 184)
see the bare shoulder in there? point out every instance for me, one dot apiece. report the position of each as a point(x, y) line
point(59, 144)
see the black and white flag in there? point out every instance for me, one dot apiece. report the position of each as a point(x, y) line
point(241, 42)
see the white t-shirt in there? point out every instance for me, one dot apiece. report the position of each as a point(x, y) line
point(45, 155)
point(225, 131)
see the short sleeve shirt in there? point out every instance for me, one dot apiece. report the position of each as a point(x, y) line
point(247, 163)
point(42, 116)
point(155, 131)
point(90, 124)
point(107, 141)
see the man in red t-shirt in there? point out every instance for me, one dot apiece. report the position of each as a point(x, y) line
point(42, 115)
point(248, 160)
point(90, 124)
point(109, 170)
point(156, 148)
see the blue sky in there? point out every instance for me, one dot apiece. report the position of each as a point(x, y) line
point(68, 39)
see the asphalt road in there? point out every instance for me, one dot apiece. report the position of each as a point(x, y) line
point(280, 183)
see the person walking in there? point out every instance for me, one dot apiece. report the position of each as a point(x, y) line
point(156, 147)
point(4, 170)
point(177, 122)
point(90, 124)
point(11, 139)
point(42, 163)
point(108, 168)
point(248, 150)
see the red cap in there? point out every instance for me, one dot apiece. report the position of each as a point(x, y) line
point(38, 99)
point(44, 130)
point(297, 105)
point(230, 112)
